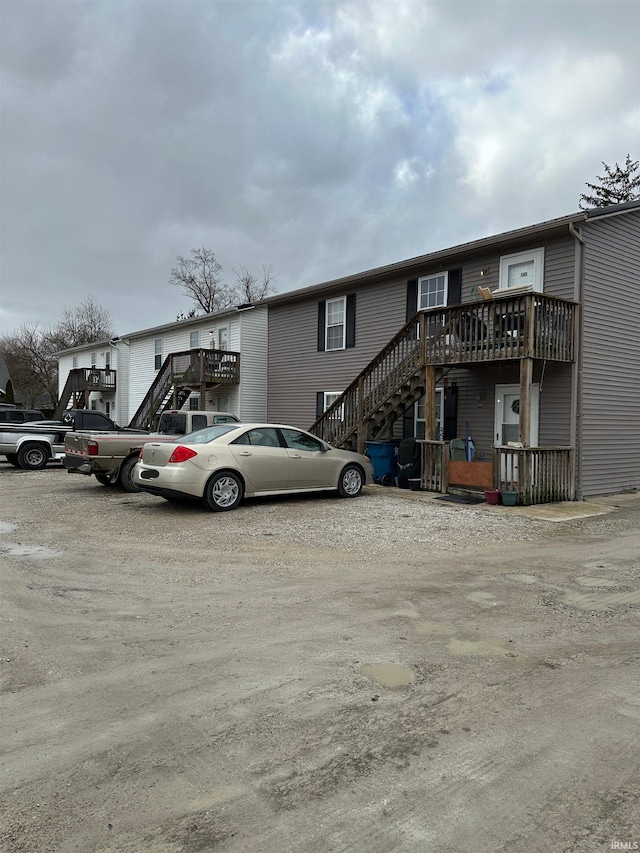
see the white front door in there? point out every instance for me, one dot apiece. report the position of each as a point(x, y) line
point(507, 426)
point(507, 417)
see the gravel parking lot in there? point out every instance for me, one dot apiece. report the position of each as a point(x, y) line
point(314, 674)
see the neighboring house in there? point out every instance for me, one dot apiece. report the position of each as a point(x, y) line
point(212, 361)
point(527, 339)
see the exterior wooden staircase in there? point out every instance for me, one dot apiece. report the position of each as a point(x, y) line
point(81, 381)
point(524, 327)
point(392, 382)
point(181, 373)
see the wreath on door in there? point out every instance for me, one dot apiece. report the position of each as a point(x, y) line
point(515, 407)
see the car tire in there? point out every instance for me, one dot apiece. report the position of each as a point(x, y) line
point(223, 492)
point(12, 459)
point(105, 480)
point(125, 477)
point(32, 456)
point(351, 481)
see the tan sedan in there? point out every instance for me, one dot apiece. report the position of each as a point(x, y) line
point(223, 464)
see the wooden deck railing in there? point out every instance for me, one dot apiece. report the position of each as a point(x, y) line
point(376, 384)
point(80, 382)
point(189, 368)
point(193, 367)
point(531, 325)
point(435, 465)
point(537, 474)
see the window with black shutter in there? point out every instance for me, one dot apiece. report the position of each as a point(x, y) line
point(337, 323)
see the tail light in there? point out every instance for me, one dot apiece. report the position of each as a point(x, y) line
point(92, 448)
point(182, 453)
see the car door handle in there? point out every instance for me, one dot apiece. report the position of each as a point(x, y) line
point(295, 456)
point(244, 453)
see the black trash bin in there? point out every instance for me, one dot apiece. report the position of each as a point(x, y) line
point(408, 462)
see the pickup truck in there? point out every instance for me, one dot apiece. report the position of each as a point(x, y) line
point(111, 458)
point(32, 445)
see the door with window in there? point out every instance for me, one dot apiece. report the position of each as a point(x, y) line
point(507, 422)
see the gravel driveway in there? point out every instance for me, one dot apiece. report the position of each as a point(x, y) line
point(314, 674)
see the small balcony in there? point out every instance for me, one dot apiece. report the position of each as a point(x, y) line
point(529, 325)
point(205, 366)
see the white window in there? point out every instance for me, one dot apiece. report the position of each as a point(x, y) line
point(93, 359)
point(194, 402)
point(223, 338)
point(329, 399)
point(107, 360)
point(335, 324)
point(93, 405)
point(194, 340)
point(420, 415)
point(74, 363)
point(432, 291)
point(525, 270)
point(157, 349)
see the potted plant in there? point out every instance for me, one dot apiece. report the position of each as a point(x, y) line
point(492, 496)
point(509, 497)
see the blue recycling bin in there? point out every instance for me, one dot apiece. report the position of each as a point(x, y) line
point(384, 458)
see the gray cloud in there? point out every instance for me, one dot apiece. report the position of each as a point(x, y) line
point(320, 138)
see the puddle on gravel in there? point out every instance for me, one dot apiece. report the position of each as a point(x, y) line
point(388, 674)
point(597, 582)
point(485, 599)
point(521, 578)
point(31, 552)
point(433, 629)
point(477, 648)
point(600, 601)
point(7, 527)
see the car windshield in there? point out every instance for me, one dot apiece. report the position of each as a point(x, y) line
point(204, 436)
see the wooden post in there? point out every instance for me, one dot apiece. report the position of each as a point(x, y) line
point(361, 437)
point(430, 402)
point(526, 377)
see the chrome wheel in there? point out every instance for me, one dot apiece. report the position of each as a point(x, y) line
point(351, 482)
point(223, 492)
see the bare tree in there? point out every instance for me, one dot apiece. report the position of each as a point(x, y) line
point(82, 324)
point(30, 353)
point(250, 289)
point(200, 277)
point(200, 280)
point(32, 365)
point(617, 185)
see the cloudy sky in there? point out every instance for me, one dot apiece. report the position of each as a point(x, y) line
point(322, 138)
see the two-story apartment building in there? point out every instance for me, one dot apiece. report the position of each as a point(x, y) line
point(527, 342)
point(212, 361)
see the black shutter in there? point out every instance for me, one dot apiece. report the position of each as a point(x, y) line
point(408, 423)
point(322, 309)
point(350, 340)
point(412, 298)
point(450, 425)
point(319, 403)
point(454, 289)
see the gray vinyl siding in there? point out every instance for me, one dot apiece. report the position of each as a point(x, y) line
point(477, 397)
point(610, 397)
point(252, 345)
point(297, 371)
point(559, 264)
